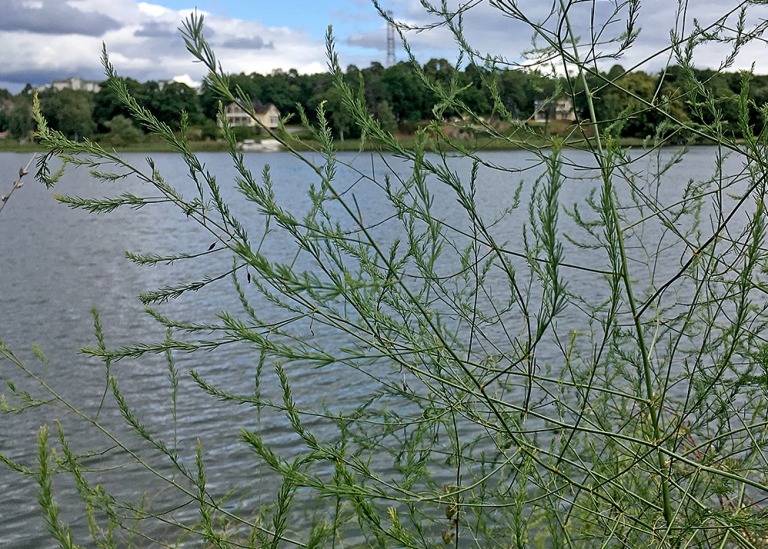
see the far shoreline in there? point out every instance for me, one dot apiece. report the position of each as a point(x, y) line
point(349, 145)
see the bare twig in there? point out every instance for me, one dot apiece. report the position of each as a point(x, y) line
point(18, 183)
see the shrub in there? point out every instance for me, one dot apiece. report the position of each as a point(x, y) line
point(20, 122)
point(209, 130)
point(242, 133)
point(122, 132)
point(588, 372)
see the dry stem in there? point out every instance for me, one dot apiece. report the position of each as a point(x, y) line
point(18, 183)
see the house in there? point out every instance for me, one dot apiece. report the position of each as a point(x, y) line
point(73, 83)
point(268, 115)
point(560, 109)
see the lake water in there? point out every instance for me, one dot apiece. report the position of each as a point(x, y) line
point(56, 263)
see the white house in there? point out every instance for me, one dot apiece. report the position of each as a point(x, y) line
point(268, 115)
point(73, 83)
point(561, 109)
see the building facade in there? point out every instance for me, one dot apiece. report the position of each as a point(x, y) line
point(74, 83)
point(560, 109)
point(267, 115)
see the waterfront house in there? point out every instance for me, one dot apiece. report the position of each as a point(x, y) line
point(268, 115)
point(73, 83)
point(560, 109)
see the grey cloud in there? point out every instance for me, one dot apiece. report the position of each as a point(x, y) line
point(14, 81)
point(54, 17)
point(255, 43)
point(158, 39)
point(491, 30)
point(156, 30)
point(370, 40)
point(37, 77)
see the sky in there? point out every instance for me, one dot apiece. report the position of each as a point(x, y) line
point(43, 40)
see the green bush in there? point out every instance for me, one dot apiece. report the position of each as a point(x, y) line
point(4, 120)
point(242, 133)
point(209, 130)
point(20, 122)
point(121, 132)
point(507, 404)
point(303, 135)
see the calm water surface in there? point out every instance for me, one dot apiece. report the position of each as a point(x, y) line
point(56, 263)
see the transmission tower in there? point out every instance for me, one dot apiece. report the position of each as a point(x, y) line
point(390, 41)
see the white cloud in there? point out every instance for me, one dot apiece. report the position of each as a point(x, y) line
point(48, 39)
point(493, 31)
point(153, 10)
point(188, 80)
point(146, 45)
point(53, 17)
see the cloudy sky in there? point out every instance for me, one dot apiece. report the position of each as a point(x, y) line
point(44, 40)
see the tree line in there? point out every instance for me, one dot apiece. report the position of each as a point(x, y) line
point(396, 95)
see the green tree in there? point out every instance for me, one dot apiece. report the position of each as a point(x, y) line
point(352, 76)
point(540, 92)
point(6, 104)
point(512, 92)
point(20, 121)
point(281, 89)
point(638, 90)
point(209, 130)
point(209, 98)
point(107, 105)
point(122, 132)
point(440, 70)
point(386, 117)
point(476, 95)
point(373, 88)
point(310, 86)
point(174, 97)
point(607, 101)
point(405, 93)
point(726, 100)
point(758, 94)
point(338, 115)
point(209, 101)
point(70, 112)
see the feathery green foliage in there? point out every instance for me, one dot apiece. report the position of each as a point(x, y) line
point(506, 404)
